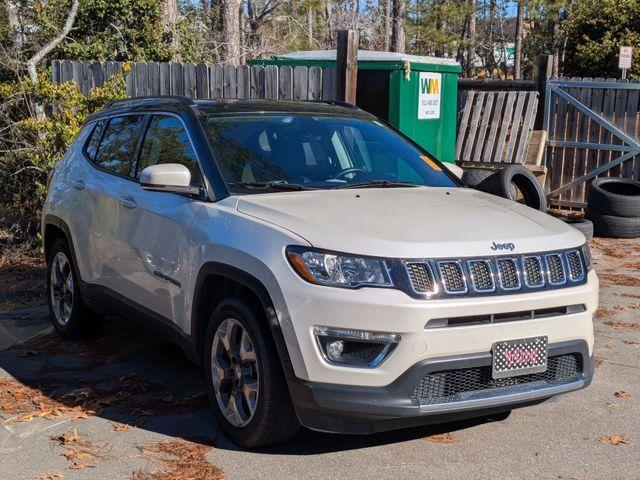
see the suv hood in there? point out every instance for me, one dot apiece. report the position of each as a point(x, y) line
point(415, 222)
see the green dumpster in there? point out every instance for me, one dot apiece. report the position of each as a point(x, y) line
point(416, 94)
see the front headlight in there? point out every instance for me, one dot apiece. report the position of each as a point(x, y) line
point(586, 254)
point(338, 269)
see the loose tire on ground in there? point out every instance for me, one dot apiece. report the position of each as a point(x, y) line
point(612, 226)
point(615, 196)
point(69, 315)
point(502, 183)
point(473, 177)
point(582, 224)
point(273, 420)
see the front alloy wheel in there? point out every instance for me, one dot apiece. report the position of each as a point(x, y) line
point(244, 378)
point(235, 373)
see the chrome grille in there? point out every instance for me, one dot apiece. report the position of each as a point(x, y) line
point(453, 280)
point(555, 269)
point(576, 270)
point(420, 277)
point(508, 274)
point(481, 275)
point(533, 272)
point(493, 275)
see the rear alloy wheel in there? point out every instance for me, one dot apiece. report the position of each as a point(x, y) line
point(244, 378)
point(68, 313)
point(61, 290)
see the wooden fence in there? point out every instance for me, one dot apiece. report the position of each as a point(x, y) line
point(593, 130)
point(495, 127)
point(204, 80)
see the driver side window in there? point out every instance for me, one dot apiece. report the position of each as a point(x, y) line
point(166, 141)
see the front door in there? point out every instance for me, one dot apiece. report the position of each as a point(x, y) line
point(157, 227)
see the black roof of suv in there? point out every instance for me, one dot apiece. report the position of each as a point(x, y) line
point(227, 106)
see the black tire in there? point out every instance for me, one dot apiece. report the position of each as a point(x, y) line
point(472, 177)
point(80, 320)
point(502, 183)
point(274, 420)
point(615, 196)
point(612, 226)
point(585, 226)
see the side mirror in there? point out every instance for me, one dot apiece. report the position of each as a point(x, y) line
point(455, 169)
point(167, 177)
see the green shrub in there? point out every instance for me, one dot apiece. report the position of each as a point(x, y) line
point(38, 122)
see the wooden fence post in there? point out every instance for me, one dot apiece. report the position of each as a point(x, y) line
point(545, 71)
point(347, 65)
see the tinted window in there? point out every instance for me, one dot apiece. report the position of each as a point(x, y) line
point(166, 141)
point(94, 139)
point(316, 152)
point(119, 143)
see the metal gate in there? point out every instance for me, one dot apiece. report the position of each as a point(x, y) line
point(593, 130)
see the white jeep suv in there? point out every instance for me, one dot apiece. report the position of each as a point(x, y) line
point(322, 268)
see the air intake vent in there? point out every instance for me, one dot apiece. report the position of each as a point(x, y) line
point(508, 273)
point(533, 273)
point(576, 270)
point(555, 269)
point(477, 382)
point(420, 277)
point(453, 280)
point(481, 276)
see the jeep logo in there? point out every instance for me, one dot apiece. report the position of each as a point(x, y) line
point(503, 246)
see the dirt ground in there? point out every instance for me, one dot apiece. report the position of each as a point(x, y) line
point(126, 405)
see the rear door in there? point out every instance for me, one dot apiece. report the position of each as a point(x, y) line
point(107, 187)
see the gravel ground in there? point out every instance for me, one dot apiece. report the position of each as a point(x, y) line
point(126, 405)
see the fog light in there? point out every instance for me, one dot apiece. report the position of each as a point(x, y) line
point(334, 349)
point(355, 348)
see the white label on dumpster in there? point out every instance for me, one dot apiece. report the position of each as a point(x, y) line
point(429, 95)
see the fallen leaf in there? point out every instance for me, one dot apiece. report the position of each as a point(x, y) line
point(624, 326)
point(614, 440)
point(80, 465)
point(442, 438)
point(67, 438)
point(611, 405)
point(622, 394)
point(50, 476)
point(121, 428)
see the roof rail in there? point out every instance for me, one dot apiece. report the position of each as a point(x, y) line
point(178, 98)
point(338, 103)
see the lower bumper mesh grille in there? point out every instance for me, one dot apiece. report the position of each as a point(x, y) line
point(477, 382)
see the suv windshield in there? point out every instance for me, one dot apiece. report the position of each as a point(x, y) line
point(295, 152)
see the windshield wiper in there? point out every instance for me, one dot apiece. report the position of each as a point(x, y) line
point(379, 183)
point(274, 184)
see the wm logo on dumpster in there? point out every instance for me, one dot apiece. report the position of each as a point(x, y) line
point(429, 86)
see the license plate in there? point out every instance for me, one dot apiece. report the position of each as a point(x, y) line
point(519, 357)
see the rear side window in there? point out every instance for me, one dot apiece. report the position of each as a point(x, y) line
point(167, 141)
point(118, 144)
point(94, 140)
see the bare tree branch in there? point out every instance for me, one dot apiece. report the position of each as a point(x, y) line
point(32, 63)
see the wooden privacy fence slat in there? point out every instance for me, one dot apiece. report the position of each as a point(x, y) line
point(204, 80)
point(496, 126)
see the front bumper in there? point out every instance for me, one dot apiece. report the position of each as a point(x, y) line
point(362, 410)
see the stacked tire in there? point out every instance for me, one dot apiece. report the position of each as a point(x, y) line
point(613, 205)
point(514, 182)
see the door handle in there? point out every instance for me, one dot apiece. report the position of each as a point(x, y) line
point(77, 184)
point(128, 202)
